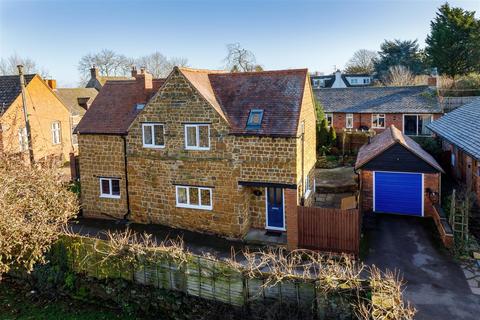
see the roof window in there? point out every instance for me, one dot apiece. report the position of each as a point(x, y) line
point(255, 119)
point(140, 106)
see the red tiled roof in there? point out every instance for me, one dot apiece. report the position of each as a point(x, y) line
point(114, 108)
point(385, 140)
point(278, 93)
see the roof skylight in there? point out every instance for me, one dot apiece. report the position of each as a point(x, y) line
point(255, 119)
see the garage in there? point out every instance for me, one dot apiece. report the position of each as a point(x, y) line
point(397, 176)
point(397, 192)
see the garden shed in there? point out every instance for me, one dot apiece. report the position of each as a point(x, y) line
point(397, 176)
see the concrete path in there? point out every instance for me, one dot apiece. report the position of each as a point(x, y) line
point(435, 283)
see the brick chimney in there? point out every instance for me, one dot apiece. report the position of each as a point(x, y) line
point(94, 72)
point(144, 78)
point(51, 83)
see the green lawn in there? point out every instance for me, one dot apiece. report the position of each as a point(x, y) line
point(16, 302)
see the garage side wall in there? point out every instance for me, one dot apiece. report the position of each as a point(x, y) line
point(431, 181)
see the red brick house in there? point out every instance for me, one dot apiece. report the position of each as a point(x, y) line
point(459, 132)
point(397, 176)
point(410, 109)
point(202, 150)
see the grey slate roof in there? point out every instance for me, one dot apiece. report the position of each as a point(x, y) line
point(412, 99)
point(10, 89)
point(461, 127)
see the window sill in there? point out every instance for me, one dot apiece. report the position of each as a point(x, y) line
point(147, 146)
point(106, 196)
point(197, 148)
point(186, 206)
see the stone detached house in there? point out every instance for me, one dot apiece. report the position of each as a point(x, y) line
point(459, 132)
point(202, 150)
point(49, 118)
point(410, 108)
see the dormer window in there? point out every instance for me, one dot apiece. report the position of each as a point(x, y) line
point(255, 119)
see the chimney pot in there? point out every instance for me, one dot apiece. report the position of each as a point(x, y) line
point(142, 70)
point(134, 71)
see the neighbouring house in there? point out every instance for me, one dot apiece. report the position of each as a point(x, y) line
point(397, 176)
point(97, 81)
point(202, 150)
point(409, 108)
point(49, 119)
point(459, 132)
point(339, 80)
point(77, 100)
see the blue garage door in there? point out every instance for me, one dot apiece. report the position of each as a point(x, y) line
point(398, 193)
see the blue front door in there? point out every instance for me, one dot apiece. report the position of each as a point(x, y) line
point(397, 192)
point(275, 214)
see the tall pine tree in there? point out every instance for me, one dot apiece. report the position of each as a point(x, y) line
point(453, 45)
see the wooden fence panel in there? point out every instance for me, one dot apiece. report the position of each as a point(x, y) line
point(329, 229)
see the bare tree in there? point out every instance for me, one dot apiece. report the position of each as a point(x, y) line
point(8, 66)
point(399, 76)
point(159, 65)
point(108, 62)
point(239, 59)
point(34, 207)
point(361, 62)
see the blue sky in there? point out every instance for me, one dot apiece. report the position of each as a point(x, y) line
point(282, 34)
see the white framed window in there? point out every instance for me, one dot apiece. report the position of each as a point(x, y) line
point(23, 139)
point(349, 121)
point(109, 188)
point(194, 197)
point(378, 120)
point(353, 81)
point(366, 80)
point(197, 137)
point(56, 132)
point(153, 135)
point(329, 118)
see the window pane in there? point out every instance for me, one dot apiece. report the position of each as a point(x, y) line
point(147, 135)
point(191, 136)
point(159, 138)
point(105, 186)
point(278, 196)
point(410, 125)
point(182, 195)
point(116, 187)
point(204, 136)
point(270, 195)
point(423, 121)
point(194, 201)
point(205, 197)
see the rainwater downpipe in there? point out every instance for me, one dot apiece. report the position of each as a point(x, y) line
point(125, 163)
